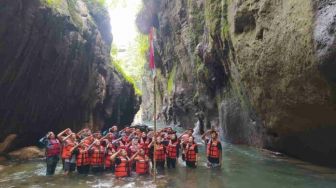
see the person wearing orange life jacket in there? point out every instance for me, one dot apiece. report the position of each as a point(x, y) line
point(121, 161)
point(97, 153)
point(160, 152)
point(184, 137)
point(109, 151)
point(132, 149)
point(141, 162)
point(214, 149)
point(61, 136)
point(191, 151)
point(69, 142)
point(82, 158)
point(53, 149)
point(144, 142)
point(172, 151)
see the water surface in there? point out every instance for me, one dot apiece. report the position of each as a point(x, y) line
point(242, 167)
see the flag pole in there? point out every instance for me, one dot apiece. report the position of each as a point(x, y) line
point(154, 129)
point(152, 67)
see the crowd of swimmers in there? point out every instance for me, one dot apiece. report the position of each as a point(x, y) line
point(122, 152)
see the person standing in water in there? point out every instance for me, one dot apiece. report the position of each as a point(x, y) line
point(53, 149)
point(172, 151)
point(184, 137)
point(160, 153)
point(214, 149)
point(121, 161)
point(82, 158)
point(141, 160)
point(191, 151)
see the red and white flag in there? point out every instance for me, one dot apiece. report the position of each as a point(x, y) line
point(151, 51)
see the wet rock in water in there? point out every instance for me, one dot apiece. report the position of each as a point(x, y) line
point(1, 167)
point(26, 153)
point(7, 142)
point(56, 71)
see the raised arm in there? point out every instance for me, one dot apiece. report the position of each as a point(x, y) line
point(43, 140)
point(206, 133)
point(131, 159)
point(82, 131)
point(150, 145)
point(60, 135)
point(65, 138)
point(182, 135)
point(91, 145)
point(115, 155)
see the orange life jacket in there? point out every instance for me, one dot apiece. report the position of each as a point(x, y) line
point(212, 149)
point(144, 145)
point(97, 156)
point(82, 158)
point(160, 153)
point(172, 150)
point(141, 166)
point(53, 148)
point(110, 152)
point(191, 154)
point(66, 154)
point(122, 169)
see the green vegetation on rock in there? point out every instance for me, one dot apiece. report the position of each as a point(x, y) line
point(171, 80)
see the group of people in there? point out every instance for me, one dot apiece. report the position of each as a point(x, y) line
point(122, 152)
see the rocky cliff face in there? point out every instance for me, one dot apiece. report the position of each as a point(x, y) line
point(55, 69)
point(264, 70)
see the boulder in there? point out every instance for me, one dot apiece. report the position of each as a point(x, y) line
point(26, 153)
point(7, 142)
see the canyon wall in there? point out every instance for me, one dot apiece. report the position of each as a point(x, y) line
point(262, 70)
point(56, 71)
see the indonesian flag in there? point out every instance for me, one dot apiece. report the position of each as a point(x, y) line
point(151, 51)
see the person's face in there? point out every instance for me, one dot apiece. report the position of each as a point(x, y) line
point(158, 139)
point(191, 139)
point(68, 132)
point(123, 153)
point(73, 136)
point(213, 135)
point(143, 135)
point(173, 136)
point(142, 152)
point(51, 135)
point(114, 128)
point(97, 142)
point(110, 136)
point(135, 141)
point(169, 129)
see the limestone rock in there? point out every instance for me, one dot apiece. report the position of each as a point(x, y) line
point(262, 69)
point(26, 153)
point(56, 71)
point(7, 142)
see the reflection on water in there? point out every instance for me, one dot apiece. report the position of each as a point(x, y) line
point(243, 167)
